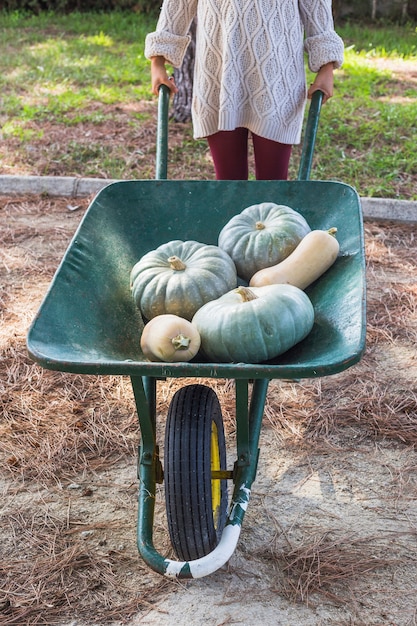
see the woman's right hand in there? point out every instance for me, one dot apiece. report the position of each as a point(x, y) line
point(159, 76)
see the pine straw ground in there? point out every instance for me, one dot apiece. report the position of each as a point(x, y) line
point(68, 457)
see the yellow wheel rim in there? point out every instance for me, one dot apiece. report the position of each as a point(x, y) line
point(215, 466)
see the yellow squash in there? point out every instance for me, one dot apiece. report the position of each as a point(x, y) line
point(315, 253)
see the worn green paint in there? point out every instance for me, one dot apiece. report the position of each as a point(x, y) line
point(162, 135)
point(310, 135)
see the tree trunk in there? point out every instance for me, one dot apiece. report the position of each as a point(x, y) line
point(374, 9)
point(184, 81)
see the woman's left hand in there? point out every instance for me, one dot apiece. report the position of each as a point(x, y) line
point(323, 82)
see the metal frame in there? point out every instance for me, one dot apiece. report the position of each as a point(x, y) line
point(249, 414)
point(61, 337)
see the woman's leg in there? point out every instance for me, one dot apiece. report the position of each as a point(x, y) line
point(271, 158)
point(229, 150)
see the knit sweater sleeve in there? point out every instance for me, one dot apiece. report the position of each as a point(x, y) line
point(322, 44)
point(171, 38)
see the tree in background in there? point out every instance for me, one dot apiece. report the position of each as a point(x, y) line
point(67, 6)
point(184, 81)
point(354, 8)
point(375, 9)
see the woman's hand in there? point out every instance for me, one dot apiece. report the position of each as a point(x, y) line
point(159, 76)
point(323, 82)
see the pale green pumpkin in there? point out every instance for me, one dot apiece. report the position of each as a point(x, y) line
point(179, 277)
point(251, 325)
point(262, 235)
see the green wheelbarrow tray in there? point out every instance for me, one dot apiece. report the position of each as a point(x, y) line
point(89, 324)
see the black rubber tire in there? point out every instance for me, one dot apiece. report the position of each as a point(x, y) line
point(194, 418)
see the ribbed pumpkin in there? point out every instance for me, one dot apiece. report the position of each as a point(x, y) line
point(262, 235)
point(179, 277)
point(251, 325)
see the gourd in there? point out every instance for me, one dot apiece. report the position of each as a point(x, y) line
point(313, 256)
point(179, 277)
point(251, 325)
point(169, 338)
point(262, 235)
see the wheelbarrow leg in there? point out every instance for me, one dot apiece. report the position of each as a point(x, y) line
point(248, 430)
point(149, 468)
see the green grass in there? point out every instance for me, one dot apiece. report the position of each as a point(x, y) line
point(379, 40)
point(75, 71)
point(74, 59)
point(367, 131)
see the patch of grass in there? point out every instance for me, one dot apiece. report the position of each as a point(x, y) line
point(366, 135)
point(19, 131)
point(370, 146)
point(91, 56)
point(380, 40)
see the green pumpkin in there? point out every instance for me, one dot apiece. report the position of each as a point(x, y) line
point(262, 235)
point(179, 277)
point(254, 325)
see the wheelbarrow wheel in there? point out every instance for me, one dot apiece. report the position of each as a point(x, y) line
point(195, 446)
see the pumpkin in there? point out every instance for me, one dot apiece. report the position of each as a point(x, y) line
point(313, 256)
point(251, 325)
point(262, 235)
point(170, 338)
point(179, 277)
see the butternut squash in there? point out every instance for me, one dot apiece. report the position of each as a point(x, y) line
point(313, 256)
point(169, 338)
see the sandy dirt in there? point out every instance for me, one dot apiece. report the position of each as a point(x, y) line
point(329, 537)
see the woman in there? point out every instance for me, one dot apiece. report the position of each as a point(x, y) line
point(249, 75)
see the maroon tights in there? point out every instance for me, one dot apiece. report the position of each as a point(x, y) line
point(229, 149)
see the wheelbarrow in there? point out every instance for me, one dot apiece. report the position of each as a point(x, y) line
point(89, 324)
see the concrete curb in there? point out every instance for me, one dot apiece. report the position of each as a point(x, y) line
point(63, 186)
point(51, 185)
point(389, 209)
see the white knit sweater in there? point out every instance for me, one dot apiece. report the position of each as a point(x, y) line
point(249, 60)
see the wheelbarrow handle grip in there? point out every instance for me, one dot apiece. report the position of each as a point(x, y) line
point(310, 135)
point(162, 134)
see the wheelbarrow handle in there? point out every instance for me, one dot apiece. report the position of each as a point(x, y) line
point(162, 134)
point(310, 135)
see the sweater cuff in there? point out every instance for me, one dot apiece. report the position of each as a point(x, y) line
point(322, 49)
point(171, 47)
